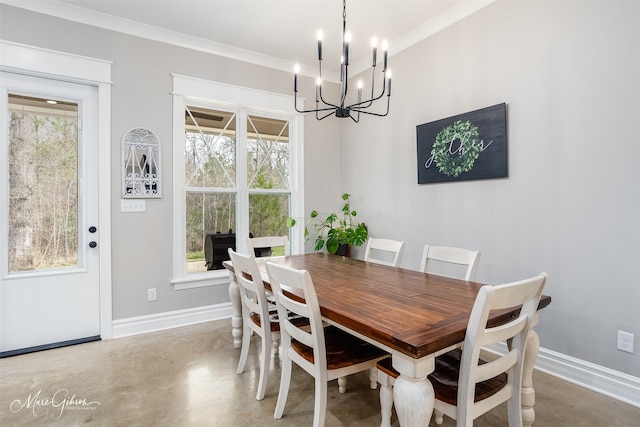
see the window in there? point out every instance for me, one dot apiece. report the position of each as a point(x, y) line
point(237, 172)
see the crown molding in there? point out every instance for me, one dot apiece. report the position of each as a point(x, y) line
point(121, 25)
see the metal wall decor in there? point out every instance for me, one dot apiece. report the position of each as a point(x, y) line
point(140, 164)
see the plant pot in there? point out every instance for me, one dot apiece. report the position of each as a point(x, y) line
point(344, 250)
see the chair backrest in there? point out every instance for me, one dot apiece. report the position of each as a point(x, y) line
point(252, 292)
point(269, 242)
point(294, 293)
point(450, 255)
point(526, 293)
point(384, 251)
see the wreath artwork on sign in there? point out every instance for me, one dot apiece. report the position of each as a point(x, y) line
point(469, 146)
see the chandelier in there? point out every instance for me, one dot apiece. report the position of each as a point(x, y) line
point(325, 109)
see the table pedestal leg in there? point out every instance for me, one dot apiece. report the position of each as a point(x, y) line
point(413, 399)
point(236, 311)
point(528, 394)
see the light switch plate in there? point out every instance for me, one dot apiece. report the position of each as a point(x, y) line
point(133, 205)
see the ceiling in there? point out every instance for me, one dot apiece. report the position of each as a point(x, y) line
point(276, 33)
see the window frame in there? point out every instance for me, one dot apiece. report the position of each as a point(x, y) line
point(188, 91)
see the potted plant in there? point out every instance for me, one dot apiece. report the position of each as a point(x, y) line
point(335, 232)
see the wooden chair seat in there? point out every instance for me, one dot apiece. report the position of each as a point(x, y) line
point(342, 349)
point(445, 378)
point(275, 323)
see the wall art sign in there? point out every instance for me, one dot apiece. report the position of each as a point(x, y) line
point(465, 147)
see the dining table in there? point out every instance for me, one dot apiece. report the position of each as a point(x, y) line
point(414, 316)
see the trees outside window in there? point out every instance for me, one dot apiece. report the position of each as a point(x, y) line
point(43, 184)
point(219, 187)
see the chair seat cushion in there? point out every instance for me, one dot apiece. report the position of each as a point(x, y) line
point(445, 378)
point(343, 349)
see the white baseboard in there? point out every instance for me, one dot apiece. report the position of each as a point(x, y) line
point(171, 319)
point(615, 384)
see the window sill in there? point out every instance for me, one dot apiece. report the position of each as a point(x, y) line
point(202, 280)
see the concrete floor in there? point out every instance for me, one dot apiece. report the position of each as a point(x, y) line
point(186, 377)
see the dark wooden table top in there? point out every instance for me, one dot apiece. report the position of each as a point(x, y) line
point(412, 312)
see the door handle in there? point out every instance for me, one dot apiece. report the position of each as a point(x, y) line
point(92, 244)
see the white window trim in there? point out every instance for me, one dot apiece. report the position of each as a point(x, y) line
point(197, 91)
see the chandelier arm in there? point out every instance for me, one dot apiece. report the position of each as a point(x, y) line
point(316, 110)
point(295, 105)
point(326, 115)
point(359, 105)
point(325, 102)
point(369, 102)
point(376, 114)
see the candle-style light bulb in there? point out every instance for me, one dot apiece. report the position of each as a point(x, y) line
point(374, 45)
point(318, 84)
point(359, 91)
point(388, 75)
point(320, 37)
point(385, 46)
point(347, 40)
point(296, 70)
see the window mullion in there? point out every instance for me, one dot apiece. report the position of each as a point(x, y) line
point(242, 211)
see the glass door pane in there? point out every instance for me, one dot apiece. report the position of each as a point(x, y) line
point(43, 184)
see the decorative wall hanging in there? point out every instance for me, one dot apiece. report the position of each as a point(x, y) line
point(140, 164)
point(465, 147)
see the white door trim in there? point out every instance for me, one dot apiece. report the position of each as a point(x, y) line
point(35, 61)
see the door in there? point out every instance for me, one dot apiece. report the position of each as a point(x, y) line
point(49, 256)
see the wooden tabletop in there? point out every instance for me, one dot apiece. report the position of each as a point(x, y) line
point(412, 312)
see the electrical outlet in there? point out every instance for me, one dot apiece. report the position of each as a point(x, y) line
point(625, 341)
point(151, 294)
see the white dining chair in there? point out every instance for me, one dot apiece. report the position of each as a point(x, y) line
point(384, 251)
point(326, 353)
point(269, 242)
point(451, 255)
point(255, 316)
point(465, 385)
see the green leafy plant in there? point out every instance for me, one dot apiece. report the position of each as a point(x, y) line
point(334, 230)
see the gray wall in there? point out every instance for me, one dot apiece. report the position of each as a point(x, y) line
point(570, 206)
point(568, 72)
point(141, 97)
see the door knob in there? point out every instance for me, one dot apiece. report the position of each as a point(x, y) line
point(92, 229)
point(92, 244)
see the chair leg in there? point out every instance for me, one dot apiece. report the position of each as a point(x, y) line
point(264, 367)
point(342, 384)
point(320, 406)
point(244, 352)
point(373, 378)
point(386, 398)
point(438, 415)
point(285, 380)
